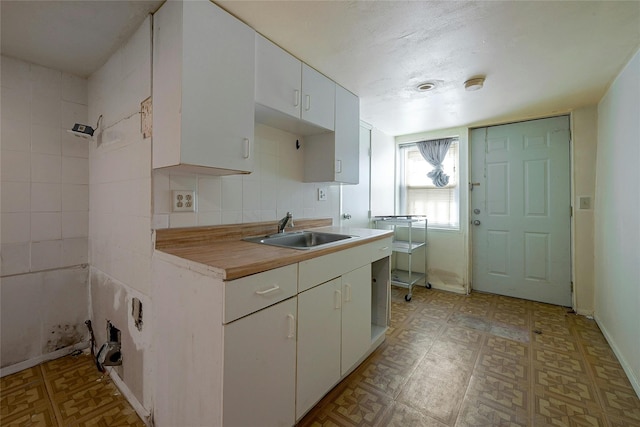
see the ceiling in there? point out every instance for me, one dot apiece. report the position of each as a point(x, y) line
point(539, 58)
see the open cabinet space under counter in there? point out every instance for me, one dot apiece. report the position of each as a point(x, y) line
point(410, 236)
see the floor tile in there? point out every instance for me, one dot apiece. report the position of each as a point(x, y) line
point(448, 360)
point(69, 392)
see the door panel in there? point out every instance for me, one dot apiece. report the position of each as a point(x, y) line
point(521, 210)
point(318, 360)
point(356, 316)
point(354, 199)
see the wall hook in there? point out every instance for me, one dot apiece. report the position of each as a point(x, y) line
point(297, 144)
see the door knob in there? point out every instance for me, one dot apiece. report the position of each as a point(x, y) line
point(476, 211)
point(476, 222)
point(346, 216)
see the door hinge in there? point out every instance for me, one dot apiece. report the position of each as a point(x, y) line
point(571, 286)
point(571, 211)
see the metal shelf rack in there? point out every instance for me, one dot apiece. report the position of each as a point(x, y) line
point(406, 278)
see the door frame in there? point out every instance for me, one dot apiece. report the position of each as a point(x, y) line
point(469, 239)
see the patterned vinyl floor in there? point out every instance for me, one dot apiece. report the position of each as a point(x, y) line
point(449, 360)
point(64, 392)
point(483, 360)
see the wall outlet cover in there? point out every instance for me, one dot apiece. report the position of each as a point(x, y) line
point(322, 193)
point(183, 201)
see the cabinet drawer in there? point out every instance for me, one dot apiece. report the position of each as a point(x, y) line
point(381, 248)
point(252, 293)
point(321, 269)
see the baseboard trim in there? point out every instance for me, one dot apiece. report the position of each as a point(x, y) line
point(8, 370)
point(142, 412)
point(635, 383)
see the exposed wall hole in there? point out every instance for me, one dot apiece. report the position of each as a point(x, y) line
point(136, 312)
point(109, 354)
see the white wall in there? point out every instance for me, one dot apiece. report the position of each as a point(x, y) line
point(383, 154)
point(584, 132)
point(45, 203)
point(617, 228)
point(273, 189)
point(447, 253)
point(120, 241)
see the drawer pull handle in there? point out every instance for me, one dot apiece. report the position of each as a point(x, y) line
point(347, 289)
point(246, 148)
point(296, 98)
point(385, 248)
point(292, 326)
point(268, 291)
point(337, 300)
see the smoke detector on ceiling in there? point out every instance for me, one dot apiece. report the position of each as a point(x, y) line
point(473, 84)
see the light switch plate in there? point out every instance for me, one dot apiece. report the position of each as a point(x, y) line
point(585, 202)
point(183, 201)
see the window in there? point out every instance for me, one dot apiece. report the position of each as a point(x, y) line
point(417, 195)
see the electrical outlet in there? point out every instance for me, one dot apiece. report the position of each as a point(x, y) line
point(322, 193)
point(146, 112)
point(183, 201)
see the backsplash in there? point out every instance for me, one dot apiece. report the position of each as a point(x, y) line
point(274, 188)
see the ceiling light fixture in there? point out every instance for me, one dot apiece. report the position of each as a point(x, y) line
point(474, 84)
point(426, 86)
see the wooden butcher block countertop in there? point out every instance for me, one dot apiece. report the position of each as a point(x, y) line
point(219, 251)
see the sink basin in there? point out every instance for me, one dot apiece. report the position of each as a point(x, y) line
point(299, 239)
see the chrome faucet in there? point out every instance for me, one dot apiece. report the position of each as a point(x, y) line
point(287, 220)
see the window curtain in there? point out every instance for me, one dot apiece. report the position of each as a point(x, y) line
point(434, 152)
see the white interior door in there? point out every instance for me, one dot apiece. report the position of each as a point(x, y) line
point(520, 210)
point(354, 199)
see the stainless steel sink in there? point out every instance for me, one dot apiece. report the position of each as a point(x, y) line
point(299, 239)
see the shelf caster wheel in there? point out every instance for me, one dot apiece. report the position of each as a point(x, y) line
point(428, 285)
point(407, 297)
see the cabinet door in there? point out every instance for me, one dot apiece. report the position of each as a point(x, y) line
point(260, 368)
point(347, 137)
point(356, 316)
point(318, 98)
point(278, 78)
point(218, 87)
point(318, 343)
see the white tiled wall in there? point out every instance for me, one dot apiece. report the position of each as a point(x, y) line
point(45, 169)
point(120, 207)
point(120, 160)
point(42, 312)
point(45, 212)
point(274, 188)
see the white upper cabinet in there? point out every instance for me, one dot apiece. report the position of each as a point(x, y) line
point(318, 98)
point(203, 89)
point(334, 156)
point(288, 91)
point(278, 78)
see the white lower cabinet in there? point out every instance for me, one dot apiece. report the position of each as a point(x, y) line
point(334, 333)
point(318, 343)
point(356, 316)
point(263, 349)
point(260, 368)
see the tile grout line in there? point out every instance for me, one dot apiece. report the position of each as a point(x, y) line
point(54, 406)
